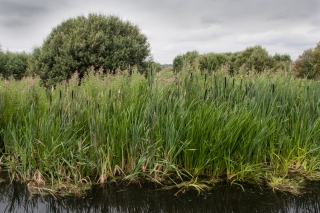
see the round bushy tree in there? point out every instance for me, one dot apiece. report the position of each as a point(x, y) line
point(308, 64)
point(78, 43)
point(256, 58)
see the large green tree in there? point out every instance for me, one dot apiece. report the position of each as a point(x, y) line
point(78, 43)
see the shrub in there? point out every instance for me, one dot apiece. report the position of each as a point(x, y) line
point(281, 62)
point(151, 66)
point(256, 58)
point(213, 61)
point(182, 60)
point(13, 64)
point(76, 44)
point(308, 64)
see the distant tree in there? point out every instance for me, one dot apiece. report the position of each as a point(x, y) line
point(308, 64)
point(13, 64)
point(281, 62)
point(279, 58)
point(182, 60)
point(213, 61)
point(256, 58)
point(2, 62)
point(78, 43)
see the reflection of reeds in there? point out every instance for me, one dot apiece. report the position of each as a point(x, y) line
point(215, 125)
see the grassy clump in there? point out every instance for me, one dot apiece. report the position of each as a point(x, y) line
point(165, 127)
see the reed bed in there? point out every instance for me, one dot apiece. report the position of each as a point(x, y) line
point(169, 128)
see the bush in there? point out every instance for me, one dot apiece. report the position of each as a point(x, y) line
point(213, 61)
point(308, 64)
point(76, 44)
point(13, 64)
point(151, 66)
point(256, 58)
point(182, 60)
point(281, 62)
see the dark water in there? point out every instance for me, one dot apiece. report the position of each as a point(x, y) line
point(133, 198)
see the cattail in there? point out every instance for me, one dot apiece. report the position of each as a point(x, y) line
point(225, 82)
point(60, 94)
point(205, 94)
point(272, 88)
point(215, 81)
point(71, 94)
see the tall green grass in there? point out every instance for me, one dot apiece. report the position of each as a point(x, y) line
point(161, 127)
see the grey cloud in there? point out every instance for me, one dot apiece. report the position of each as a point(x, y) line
point(303, 16)
point(316, 23)
point(173, 26)
point(12, 23)
point(208, 19)
point(277, 18)
point(19, 13)
point(21, 8)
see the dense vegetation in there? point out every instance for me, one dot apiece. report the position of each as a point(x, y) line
point(238, 116)
point(78, 43)
point(13, 64)
point(308, 64)
point(253, 58)
point(166, 127)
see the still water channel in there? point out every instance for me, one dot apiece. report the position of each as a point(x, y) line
point(133, 198)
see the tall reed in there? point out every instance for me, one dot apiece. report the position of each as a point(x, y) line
point(166, 126)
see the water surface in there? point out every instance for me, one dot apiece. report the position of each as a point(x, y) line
point(148, 198)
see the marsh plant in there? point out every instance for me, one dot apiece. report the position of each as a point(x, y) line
point(167, 127)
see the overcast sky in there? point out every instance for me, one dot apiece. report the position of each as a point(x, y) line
point(174, 27)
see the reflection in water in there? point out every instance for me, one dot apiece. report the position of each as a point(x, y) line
point(121, 198)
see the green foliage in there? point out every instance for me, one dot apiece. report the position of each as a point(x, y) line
point(254, 58)
point(213, 61)
point(308, 64)
point(282, 58)
point(150, 66)
point(281, 62)
point(164, 128)
point(78, 43)
point(13, 64)
point(180, 61)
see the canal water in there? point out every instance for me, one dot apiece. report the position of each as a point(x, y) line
point(132, 198)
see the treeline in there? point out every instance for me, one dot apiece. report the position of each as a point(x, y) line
point(110, 44)
point(253, 58)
